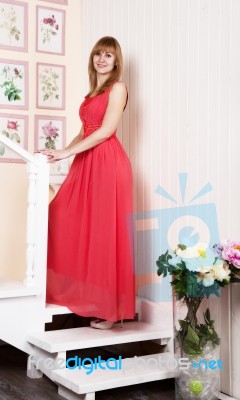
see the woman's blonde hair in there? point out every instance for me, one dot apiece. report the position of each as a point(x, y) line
point(108, 44)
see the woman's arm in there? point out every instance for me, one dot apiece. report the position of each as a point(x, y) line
point(116, 104)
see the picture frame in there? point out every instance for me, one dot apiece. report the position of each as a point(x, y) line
point(50, 26)
point(63, 2)
point(13, 84)
point(15, 127)
point(13, 25)
point(50, 132)
point(50, 86)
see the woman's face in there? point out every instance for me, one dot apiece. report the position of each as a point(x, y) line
point(104, 62)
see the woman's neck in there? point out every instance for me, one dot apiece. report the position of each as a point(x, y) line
point(101, 79)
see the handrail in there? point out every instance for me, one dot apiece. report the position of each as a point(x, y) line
point(19, 150)
point(37, 214)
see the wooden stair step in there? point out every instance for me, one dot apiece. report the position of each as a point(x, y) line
point(82, 338)
point(12, 288)
point(133, 371)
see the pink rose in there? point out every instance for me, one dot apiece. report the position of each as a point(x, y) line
point(231, 253)
point(51, 21)
point(56, 27)
point(12, 125)
point(45, 20)
point(49, 130)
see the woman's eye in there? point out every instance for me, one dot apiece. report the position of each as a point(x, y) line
point(109, 55)
point(97, 54)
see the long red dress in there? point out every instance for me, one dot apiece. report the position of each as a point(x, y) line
point(90, 238)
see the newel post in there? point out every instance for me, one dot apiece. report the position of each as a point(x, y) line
point(32, 171)
point(37, 222)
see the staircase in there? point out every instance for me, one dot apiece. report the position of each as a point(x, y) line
point(84, 377)
point(24, 313)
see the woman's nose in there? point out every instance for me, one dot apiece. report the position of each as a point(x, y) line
point(101, 57)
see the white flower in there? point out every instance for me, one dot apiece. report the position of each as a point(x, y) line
point(221, 272)
point(193, 251)
point(204, 270)
point(206, 279)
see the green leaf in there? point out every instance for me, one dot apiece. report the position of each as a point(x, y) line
point(189, 349)
point(179, 286)
point(183, 324)
point(14, 136)
point(2, 150)
point(11, 96)
point(182, 246)
point(192, 338)
point(207, 316)
point(192, 285)
point(181, 265)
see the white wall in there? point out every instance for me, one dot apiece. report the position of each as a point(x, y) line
point(182, 70)
point(13, 179)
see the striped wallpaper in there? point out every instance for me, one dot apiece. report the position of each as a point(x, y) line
point(182, 63)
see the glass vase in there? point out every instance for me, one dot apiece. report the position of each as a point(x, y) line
point(197, 351)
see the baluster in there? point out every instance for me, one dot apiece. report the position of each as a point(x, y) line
point(31, 224)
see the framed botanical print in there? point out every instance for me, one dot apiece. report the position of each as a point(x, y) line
point(14, 127)
point(50, 37)
point(13, 25)
point(50, 132)
point(13, 84)
point(50, 86)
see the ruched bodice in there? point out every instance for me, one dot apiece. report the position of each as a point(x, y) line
point(92, 112)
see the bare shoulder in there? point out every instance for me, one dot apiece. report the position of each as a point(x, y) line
point(119, 89)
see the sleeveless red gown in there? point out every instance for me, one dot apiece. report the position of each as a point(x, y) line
point(90, 237)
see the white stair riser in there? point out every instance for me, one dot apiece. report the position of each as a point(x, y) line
point(69, 395)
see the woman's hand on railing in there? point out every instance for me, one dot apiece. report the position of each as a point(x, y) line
point(55, 155)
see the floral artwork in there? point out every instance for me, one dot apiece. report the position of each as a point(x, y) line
point(13, 25)
point(10, 85)
point(14, 127)
point(13, 84)
point(50, 132)
point(50, 93)
point(50, 30)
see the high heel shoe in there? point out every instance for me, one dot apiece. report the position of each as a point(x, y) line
point(101, 324)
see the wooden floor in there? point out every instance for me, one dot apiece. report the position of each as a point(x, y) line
point(15, 385)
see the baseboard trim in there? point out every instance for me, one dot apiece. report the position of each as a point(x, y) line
point(223, 396)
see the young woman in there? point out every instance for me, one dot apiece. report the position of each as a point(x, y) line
point(90, 243)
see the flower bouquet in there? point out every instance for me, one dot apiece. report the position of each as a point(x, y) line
point(198, 272)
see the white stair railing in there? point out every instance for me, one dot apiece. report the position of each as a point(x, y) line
point(37, 213)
